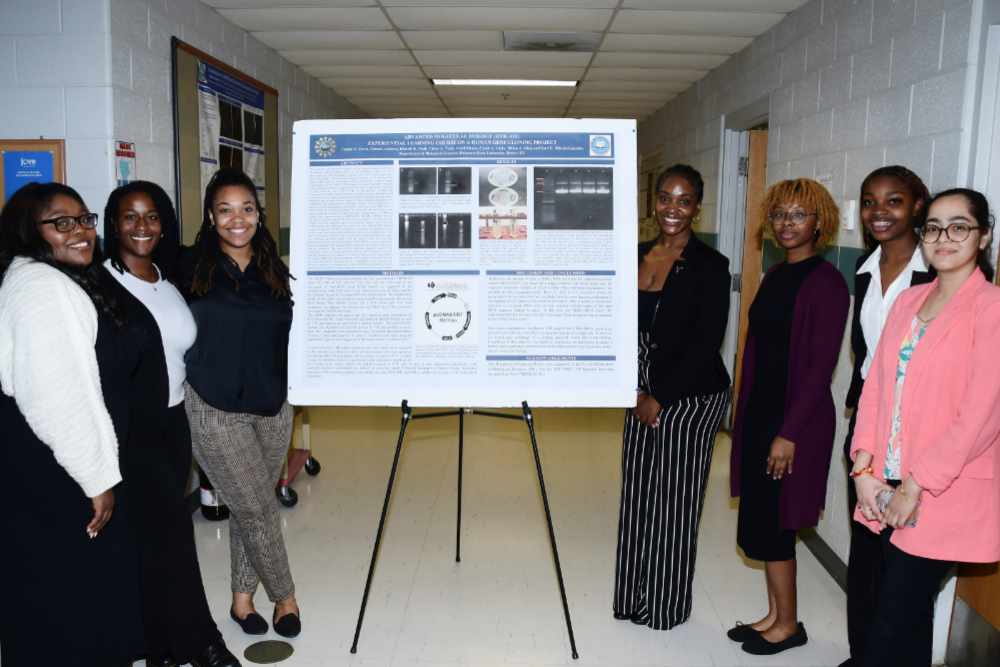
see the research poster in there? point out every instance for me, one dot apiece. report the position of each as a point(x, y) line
point(231, 125)
point(464, 262)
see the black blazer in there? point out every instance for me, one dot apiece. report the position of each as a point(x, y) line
point(858, 345)
point(690, 324)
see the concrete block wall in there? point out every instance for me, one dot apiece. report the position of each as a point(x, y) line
point(55, 83)
point(140, 33)
point(850, 85)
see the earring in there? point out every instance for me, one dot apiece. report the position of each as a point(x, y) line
point(816, 233)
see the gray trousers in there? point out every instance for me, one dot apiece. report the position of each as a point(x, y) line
point(243, 454)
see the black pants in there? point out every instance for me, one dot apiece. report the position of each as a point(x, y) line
point(902, 628)
point(864, 567)
point(175, 611)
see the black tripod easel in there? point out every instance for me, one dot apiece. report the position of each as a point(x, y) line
point(408, 415)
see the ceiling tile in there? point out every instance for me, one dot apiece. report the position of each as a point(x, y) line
point(704, 61)
point(623, 95)
point(749, 24)
point(286, 40)
point(308, 18)
point(721, 44)
point(354, 83)
point(637, 84)
point(503, 58)
point(643, 74)
point(714, 5)
point(348, 57)
point(467, 40)
point(387, 93)
point(262, 4)
point(374, 71)
point(501, 18)
point(500, 72)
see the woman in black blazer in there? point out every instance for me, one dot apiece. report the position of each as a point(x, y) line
point(893, 201)
point(682, 395)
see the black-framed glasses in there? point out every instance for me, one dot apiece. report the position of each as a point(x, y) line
point(794, 217)
point(68, 223)
point(957, 232)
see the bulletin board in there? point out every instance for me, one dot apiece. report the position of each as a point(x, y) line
point(222, 117)
point(23, 161)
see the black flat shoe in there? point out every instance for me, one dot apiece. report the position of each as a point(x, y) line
point(621, 617)
point(639, 620)
point(742, 633)
point(288, 625)
point(253, 624)
point(760, 646)
point(216, 655)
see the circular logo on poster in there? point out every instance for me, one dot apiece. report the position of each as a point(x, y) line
point(600, 144)
point(325, 146)
point(448, 316)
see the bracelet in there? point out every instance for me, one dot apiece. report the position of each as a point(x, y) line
point(863, 471)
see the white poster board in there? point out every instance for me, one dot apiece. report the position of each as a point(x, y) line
point(464, 262)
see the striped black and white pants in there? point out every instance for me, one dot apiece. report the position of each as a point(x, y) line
point(664, 474)
point(243, 455)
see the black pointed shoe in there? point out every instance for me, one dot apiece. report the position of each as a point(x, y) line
point(288, 625)
point(742, 633)
point(760, 646)
point(216, 655)
point(253, 624)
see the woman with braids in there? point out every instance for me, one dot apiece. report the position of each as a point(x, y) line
point(67, 356)
point(683, 392)
point(142, 238)
point(785, 416)
point(926, 446)
point(241, 424)
point(893, 201)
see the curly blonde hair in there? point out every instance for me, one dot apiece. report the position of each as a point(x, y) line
point(812, 196)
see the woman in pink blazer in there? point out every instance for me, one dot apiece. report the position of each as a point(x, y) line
point(928, 430)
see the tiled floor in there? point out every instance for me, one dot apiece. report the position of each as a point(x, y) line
point(500, 606)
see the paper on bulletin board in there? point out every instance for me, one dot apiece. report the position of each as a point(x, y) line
point(23, 167)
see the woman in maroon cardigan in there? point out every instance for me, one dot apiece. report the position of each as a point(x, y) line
point(785, 416)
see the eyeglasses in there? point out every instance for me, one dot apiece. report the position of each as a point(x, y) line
point(68, 223)
point(794, 217)
point(956, 232)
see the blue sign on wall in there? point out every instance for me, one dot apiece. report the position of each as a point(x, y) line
point(23, 167)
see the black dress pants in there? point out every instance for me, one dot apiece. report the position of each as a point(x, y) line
point(864, 567)
point(902, 629)
point(175, 611)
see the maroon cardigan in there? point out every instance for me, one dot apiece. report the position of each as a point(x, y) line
point(821, 309)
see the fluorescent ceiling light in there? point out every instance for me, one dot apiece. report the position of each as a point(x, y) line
point(502, 82)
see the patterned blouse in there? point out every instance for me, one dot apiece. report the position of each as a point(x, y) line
point(893, 455)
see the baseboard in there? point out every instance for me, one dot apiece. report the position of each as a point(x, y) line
point(826, 556)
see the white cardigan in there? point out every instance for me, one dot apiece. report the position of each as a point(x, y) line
point(48, 327)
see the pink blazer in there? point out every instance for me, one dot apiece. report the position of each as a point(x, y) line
point(950, 421)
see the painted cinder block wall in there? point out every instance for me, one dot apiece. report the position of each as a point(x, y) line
point(850, 85)
point(95, 71)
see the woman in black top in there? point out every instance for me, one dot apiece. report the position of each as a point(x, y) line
point(237, 372)
point(683, 393)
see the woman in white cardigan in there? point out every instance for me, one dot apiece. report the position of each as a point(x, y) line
point(70, 567)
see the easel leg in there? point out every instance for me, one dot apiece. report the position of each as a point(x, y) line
point(404, 420)
point(458, 519)
point(529, 420)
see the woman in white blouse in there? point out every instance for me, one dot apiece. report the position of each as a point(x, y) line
point(67, 355)
point(142, 239)
point(893, 205)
